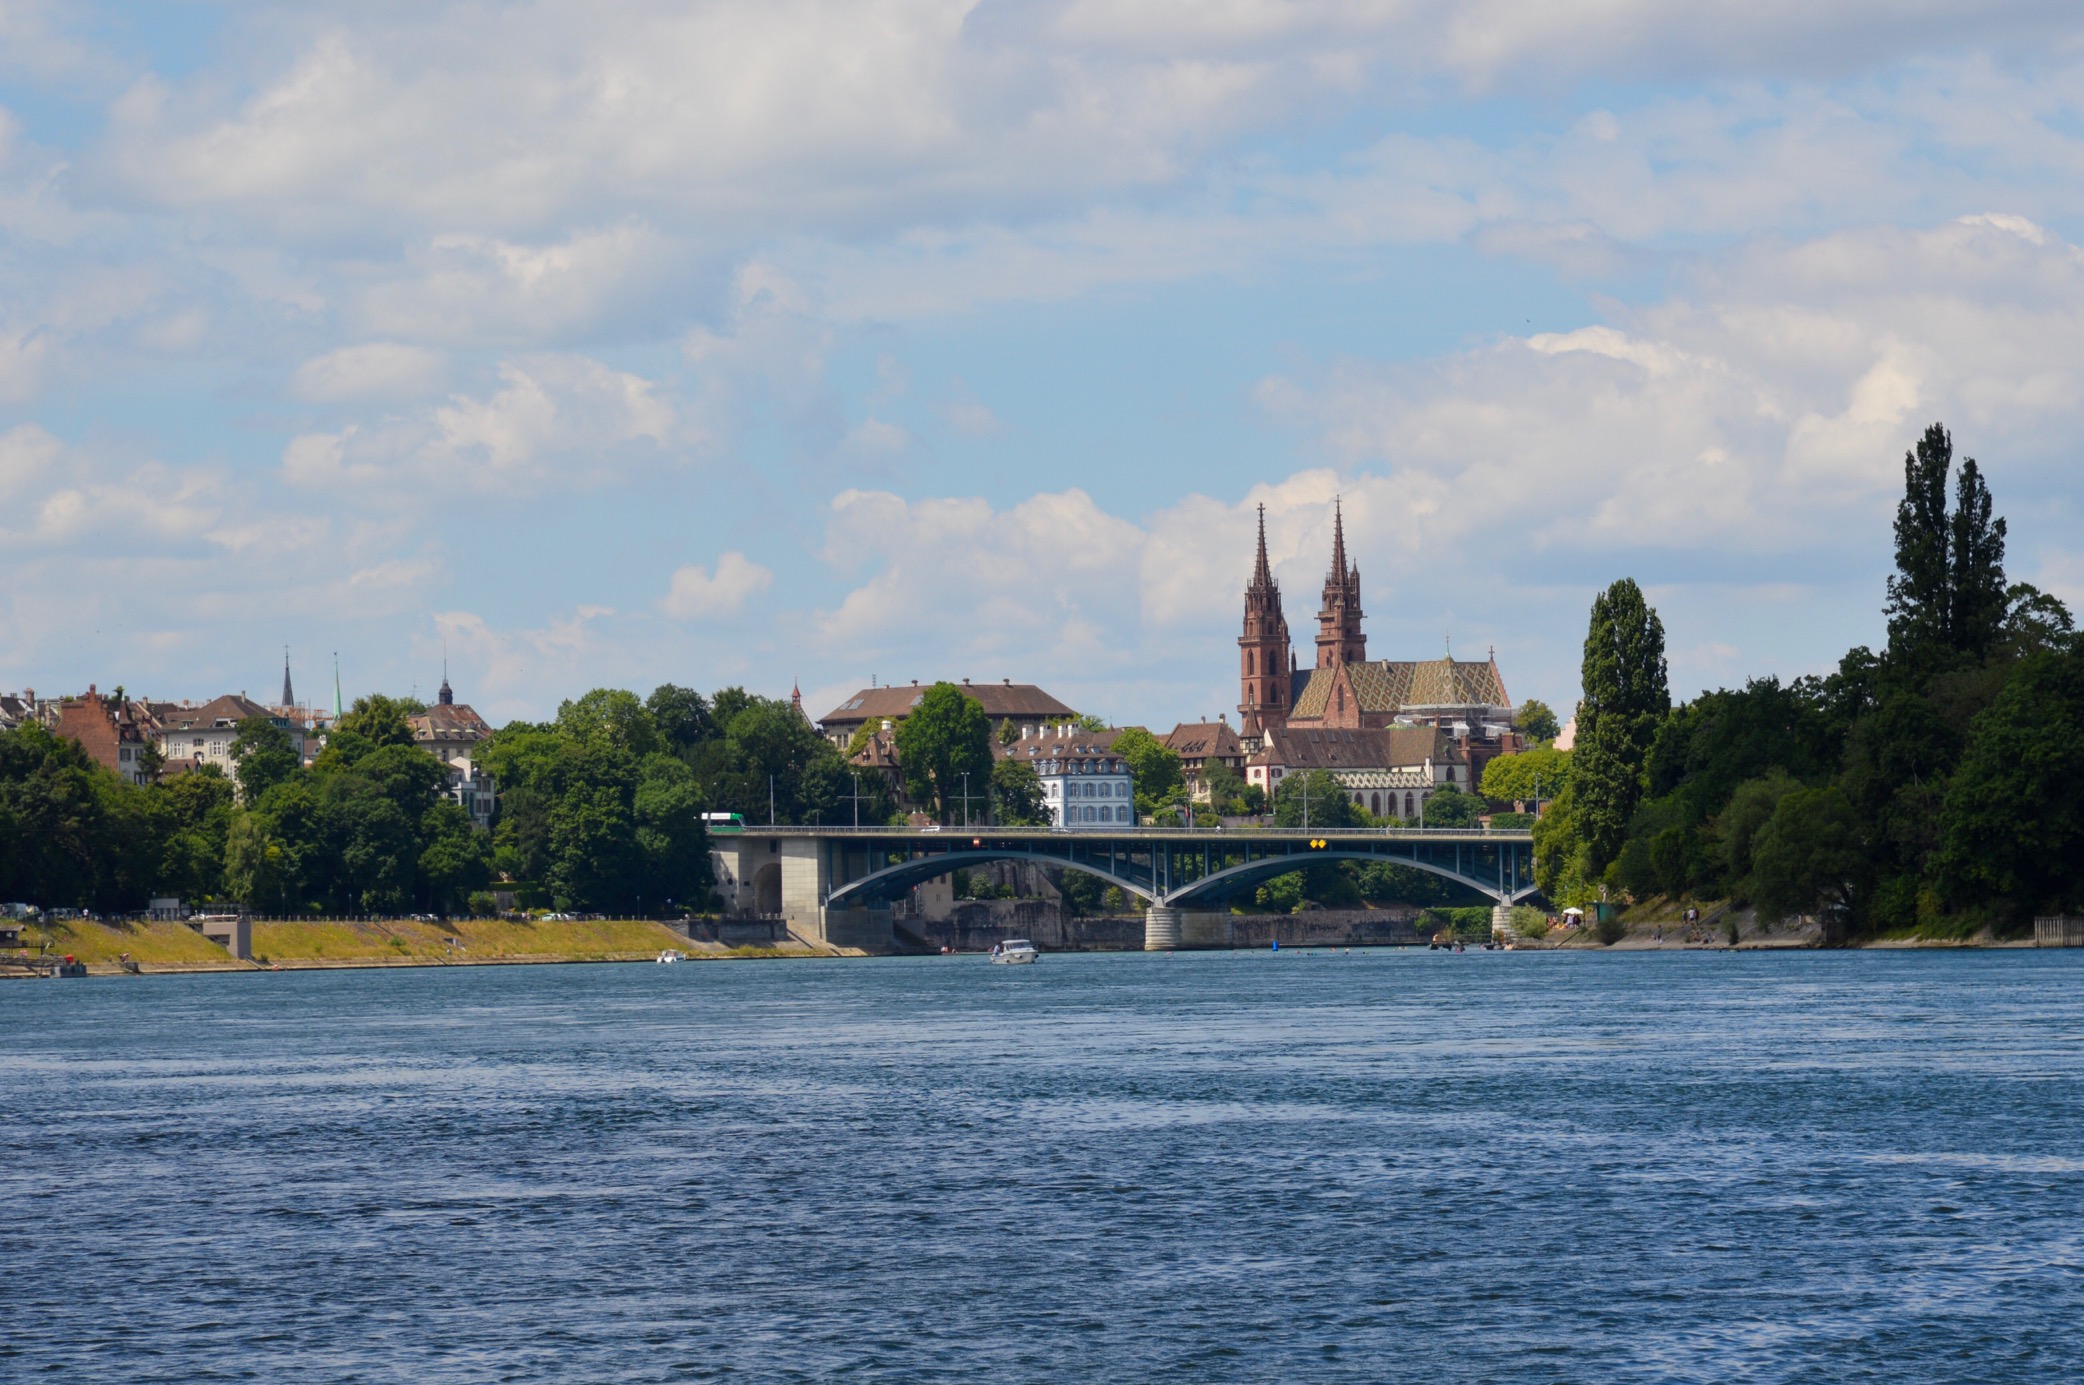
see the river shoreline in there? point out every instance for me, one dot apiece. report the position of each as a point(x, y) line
point(174, 950)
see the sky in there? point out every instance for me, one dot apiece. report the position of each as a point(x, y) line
point(788, 343)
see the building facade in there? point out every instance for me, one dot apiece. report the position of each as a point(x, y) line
point(1202, 744)
point(191, 736)
point(450, 731)
point(1085, 785)
point(1391, 771)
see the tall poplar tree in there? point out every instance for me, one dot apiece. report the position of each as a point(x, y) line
point(1626, 694)
point(1946, 603)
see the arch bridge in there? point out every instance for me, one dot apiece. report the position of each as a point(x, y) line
point(838, 883)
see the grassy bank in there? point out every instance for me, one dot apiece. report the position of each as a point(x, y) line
point(387, 942)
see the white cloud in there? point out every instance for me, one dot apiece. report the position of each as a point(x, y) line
point(698, 595)
point(372, 370)
point(552, 420)
point(1761, 413)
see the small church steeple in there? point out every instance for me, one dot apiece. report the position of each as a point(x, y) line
point(289, 696)
point(446, 697)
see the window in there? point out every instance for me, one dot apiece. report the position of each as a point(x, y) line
point(1089, 815)
point(1408, 809)
point(1375, 804)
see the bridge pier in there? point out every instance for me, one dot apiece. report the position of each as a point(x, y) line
point(1161, 929)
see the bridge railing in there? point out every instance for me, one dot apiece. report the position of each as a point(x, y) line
point(1157, 830)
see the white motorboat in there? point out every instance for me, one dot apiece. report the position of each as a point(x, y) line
point(671, 955)
point(1014, 951)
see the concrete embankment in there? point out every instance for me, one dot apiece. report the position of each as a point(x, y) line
point(170, 947)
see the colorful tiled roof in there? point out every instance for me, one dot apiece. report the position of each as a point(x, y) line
point(1389, 686)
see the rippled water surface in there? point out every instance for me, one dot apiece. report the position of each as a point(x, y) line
point(1294, 1167)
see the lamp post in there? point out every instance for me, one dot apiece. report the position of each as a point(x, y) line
point(965, 800)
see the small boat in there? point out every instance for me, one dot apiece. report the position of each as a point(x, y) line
point(1013, 952)
point(671, 955)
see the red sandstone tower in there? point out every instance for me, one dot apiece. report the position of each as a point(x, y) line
point(1263, 658)
point(1339, 637)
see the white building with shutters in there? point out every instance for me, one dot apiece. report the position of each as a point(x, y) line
point(1085, 785)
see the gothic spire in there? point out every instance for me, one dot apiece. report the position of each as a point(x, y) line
point(1339, 566)
point(1262, 574)
point(289, 698)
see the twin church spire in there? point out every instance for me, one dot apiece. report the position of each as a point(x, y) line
point(1268, 679)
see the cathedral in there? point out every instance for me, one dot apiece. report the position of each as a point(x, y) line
point(1345, 690)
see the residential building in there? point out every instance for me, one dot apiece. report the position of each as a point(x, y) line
point(114, 734)
point(191, 736)
point(1085, 785)
point(450, 731)
point(1200, 744)
point(1005, 703)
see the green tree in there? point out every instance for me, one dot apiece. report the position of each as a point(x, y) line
point(1448, 806)
point(611, 716)
point(1749, 809)
point(945, 738)
point(1806, 859)
point(681, 717)
point(1155, 767)
point(1947, 602)
point(2011, 828)
point(253, 865)
point(1537, 722)
point(1517, 778)
point(1625, 697)
point(265, 756)
point(1016, 795)
point(1314, 799)
point(1559, 852)
point(1226, 788)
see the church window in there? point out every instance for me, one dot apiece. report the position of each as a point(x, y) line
point(1375, 804)
point(1408, 810)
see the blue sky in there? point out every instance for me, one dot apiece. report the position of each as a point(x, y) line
point(795, 342)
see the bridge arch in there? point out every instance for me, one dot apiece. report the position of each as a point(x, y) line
point(1217, 883)
point(890, 881)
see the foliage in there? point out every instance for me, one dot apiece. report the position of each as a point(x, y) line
point(1625, 697)
point(1155, 767)
point(945, 738)
point(1537, 721)
point(1228, 794)
point(1807, 855)
point(1930, 788)
point(1450, 807)
point(1016, 795)
point(1517, 778)
point(1314, 798)
point(265, 755)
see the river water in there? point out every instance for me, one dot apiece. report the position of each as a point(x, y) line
point(1228, 1167)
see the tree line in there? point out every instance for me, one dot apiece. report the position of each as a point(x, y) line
point(1930, 785)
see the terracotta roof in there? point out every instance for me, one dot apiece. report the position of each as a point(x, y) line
point(1004, 701)
point(1336, 748)
point(231, 709)
point(1197, 740)
point(448, 721)
point(1389, 686)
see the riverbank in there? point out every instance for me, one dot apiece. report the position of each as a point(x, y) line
point(288, 946)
